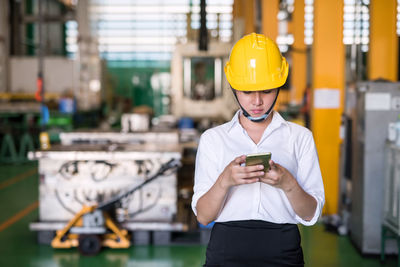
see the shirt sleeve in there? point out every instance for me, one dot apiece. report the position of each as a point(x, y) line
point(309, 176)
point(206, 169)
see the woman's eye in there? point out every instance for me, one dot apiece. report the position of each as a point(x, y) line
point(247, 92)
point(267, 91)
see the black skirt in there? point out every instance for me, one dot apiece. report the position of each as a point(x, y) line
point(254, 243)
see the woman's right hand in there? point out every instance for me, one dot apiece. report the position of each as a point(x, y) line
point(210, 204)
point(234, 174)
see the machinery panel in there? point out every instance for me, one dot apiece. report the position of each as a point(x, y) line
point(119, 138)
point(199, 87)
point(373, 112)
point(392, 188)
point(70, 179)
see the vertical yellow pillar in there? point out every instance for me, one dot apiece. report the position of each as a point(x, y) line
point(238, 20)
point(328, 90)
point(249, 17)
point(237, 9)
point(269, 18)
point(244, 12)
point(299, 55)
point(383, 48)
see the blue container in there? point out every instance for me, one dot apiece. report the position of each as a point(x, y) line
point(67, 105)
point(186, 123)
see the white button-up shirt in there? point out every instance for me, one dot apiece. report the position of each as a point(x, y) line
point(291, 145)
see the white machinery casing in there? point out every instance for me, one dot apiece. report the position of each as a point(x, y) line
point(223, 105)
point(69, 179)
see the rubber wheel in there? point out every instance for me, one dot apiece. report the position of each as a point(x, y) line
point(89, 245)
point(45, 237)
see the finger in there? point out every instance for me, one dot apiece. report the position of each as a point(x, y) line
point(273, 165)
point(249, 175)
point(269, 181)
point(253, 168)
point(240, 159)
point(250, 180)
point(271, 174)
point(258, 174)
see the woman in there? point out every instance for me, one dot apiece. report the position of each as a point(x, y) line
point(255, 212)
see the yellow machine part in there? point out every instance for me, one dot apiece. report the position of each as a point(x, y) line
point(118, 238)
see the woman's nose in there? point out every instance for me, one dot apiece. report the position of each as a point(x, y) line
point(257, 98)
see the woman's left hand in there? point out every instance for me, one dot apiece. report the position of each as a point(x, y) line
point(278, 176)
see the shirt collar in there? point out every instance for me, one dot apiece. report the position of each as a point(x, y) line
point(277, 120)
point(234, 121)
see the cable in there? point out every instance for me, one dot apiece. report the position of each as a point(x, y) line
point(173, 164)
point(105, 175)
point(78, 200)
point(141, 210)
point(64, 169)
point(63, 205)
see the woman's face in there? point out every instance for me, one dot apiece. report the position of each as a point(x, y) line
point(256, 103)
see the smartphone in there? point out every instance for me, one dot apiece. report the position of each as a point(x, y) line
point(259, 159)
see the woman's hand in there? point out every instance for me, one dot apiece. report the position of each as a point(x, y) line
point(234, 174)
point(278, 176)
point(303, 204)
point(210, 204)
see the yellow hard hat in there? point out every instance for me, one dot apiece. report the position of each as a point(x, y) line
point(256, 64)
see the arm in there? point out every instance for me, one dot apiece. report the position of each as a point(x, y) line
point(211, 203)
point(303, 204)
point(304, 189)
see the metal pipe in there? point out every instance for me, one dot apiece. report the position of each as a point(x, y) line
point(40, 58)
point(203, 33)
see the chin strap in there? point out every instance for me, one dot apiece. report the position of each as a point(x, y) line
point(262, 117)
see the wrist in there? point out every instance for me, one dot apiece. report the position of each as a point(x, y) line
point(222, 183)
point(291, 185)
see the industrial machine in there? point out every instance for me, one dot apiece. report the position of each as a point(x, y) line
point(199, 88)
point(155, 137)
point(378, 104)
point(94, 226)
point(95, 194)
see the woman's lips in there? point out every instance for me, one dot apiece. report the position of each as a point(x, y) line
point(257, 111)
